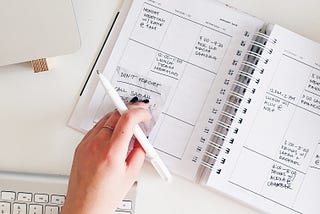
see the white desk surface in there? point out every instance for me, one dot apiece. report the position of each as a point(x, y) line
point(35, 108)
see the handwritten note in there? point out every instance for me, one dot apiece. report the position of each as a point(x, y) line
point(167, 65)
point(152, 19)
point(206, 47)
point(281, 177)
point(314, 83)
point(311, 101)
point(129, 84)
point(282, 94)
point(274, 104)
point(292, 154)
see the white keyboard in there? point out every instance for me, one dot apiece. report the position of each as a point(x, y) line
point(43, 194)
point(29, 202)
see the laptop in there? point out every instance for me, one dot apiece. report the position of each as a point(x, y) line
point(36, 29)
point(35, 182)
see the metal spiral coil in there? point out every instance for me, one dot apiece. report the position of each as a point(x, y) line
point(231, 107)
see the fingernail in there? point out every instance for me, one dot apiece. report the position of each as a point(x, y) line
point(145, 101)
point(134, 100)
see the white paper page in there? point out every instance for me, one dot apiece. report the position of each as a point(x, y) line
point(181, 45)
point(274, 164)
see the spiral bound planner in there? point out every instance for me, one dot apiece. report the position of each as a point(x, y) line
point(238, 99)
point(230, 117)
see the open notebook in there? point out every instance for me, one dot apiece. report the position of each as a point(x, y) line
point(239, 99)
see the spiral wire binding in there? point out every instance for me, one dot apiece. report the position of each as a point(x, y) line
point(226, 119)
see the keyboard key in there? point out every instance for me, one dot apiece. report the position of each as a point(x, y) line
point(52, 210)
point(5, 208)
point(122, 212)
point(22, 196)
point(125, 205)
point(58, 199)
point(8, 195)
point(19, 208)
point(35, 209)
point(41, 198)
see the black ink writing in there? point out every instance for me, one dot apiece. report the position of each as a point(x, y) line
point(281, 177)
point(206, 47)
point(282, 94)
point(292, 153)
point(310, 101)
point(151, 19)
point(273, 104)
point(166, 65)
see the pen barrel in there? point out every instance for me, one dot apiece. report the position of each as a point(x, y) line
point(144, 142)
point(152, 154)
point(161, 169)
point(114, 96)
point(121, 107)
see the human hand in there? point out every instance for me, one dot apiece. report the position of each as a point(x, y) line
point(102, 173)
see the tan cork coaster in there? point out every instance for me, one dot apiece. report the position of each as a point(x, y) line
point(40, 65)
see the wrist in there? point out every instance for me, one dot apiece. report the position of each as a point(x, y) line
point(72, 207)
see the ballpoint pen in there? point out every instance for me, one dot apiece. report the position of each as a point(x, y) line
point(138, 133)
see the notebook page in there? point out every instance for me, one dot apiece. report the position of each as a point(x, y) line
point(181, 45)
point(274, 164)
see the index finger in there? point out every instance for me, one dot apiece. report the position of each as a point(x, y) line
point(124, 129)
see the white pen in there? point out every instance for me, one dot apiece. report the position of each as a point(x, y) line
point(138, 133)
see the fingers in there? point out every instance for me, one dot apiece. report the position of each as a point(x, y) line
point(123, 131)
point(97, 127)
point(106, 129)
point(117, 140)
point(135, 160)
point(105, 133)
